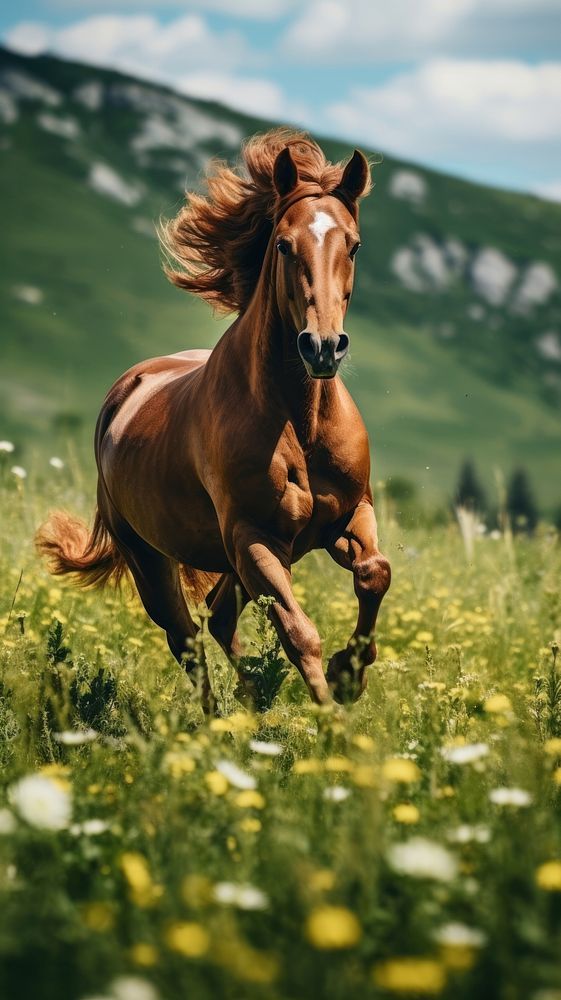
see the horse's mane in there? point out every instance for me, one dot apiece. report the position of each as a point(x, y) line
point(216, 244)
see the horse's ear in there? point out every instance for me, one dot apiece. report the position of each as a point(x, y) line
point(285, 173)
point(356, 176)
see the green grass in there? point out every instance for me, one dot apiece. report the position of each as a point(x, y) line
point(428, 399)
point(465, 661)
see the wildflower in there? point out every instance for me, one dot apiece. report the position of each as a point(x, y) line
point(6, 447)
point(548, 876)
point(245, 897)
point(18, 471)
point(363, 742)
point(143, 954)
point(411, 975)
point(466, 834)
point(89, 828)
point(338, 764)
point(557, 776)
point(336, 793)
point(56, 462)
point(98, 916)
point(75, 737)
point(406, 813)
point(321, 880)
point(469, 753)
point(308, 765)
point(516, 797)
point(423, 636)
point(268, 749)
point(238, 722)
point(422, 858)
point(42, 802)
point(188, 938)
point(216, 782)
point(365, 776)
point(142, 890)
point(249, 799)
point(459, 944)
point(178, 763)
point(498, 704)
point(235, 776)
point(249, 824)
point(553, 746)
point(132, 988)
point(7, 822)
point(333, 927)
point(401, 770)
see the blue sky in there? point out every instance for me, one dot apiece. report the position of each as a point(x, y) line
point(472, 87)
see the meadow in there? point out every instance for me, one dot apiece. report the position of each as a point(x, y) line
point(409, 845)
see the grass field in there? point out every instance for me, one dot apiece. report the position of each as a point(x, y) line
point(407, 846)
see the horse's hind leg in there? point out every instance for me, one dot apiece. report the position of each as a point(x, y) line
point(226, 602)
point(159, 586)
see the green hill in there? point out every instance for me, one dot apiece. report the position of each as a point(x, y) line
point(456, 316)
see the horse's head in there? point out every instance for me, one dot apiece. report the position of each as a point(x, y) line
point(316, 240)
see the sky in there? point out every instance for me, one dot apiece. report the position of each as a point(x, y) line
point(470, 87)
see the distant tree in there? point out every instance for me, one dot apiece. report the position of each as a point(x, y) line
point(520, 503)
point(469, 491)
point(401, 489)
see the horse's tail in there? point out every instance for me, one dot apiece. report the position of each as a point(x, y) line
point(70, 547)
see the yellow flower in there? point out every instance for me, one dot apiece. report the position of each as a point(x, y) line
point(338, 764)
point(143, 954)
point(216, 782)
point(250, 825)
point(196, 890)
point(322, 880)
point(365, 776)
point(98, 916)
point(142, 890)
point(411, 975)
point(333, 927)
point(178, 763)
point(239, 722)
point(400, 769)
point(548, 876)
point(557, 776)
point(364, 742)
point(309, 765)
point(406, 813)
point(423, 636)
point(187, 938)
point(553, 746)
point(498, 704)
point(249, 799)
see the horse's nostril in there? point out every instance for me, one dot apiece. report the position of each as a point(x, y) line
point(309, 345)
point(342, 346)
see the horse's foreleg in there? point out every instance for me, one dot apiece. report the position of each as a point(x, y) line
point(159, 586)
point(356, 549)
point(263, 566)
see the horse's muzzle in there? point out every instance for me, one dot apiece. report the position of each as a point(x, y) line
point(322, 355)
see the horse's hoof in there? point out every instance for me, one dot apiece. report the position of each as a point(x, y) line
point(345, 681)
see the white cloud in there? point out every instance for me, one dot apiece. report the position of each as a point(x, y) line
point(359, 30)
point(139, 44)
point(471, 113)
point(136, 43)
point(551, 190)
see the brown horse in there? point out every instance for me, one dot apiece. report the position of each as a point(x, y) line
point(219, 469)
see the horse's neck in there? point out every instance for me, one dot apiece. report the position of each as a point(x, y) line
point(275, 367)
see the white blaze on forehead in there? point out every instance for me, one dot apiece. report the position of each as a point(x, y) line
point(322, 223)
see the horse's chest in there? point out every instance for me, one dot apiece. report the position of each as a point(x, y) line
point(313, 498)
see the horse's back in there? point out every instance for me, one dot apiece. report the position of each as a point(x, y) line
point(136, 397)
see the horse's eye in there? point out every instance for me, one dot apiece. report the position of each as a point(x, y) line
point(283, 247)
point(354, 250)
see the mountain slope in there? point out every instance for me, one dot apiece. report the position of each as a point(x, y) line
point(455, 318)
